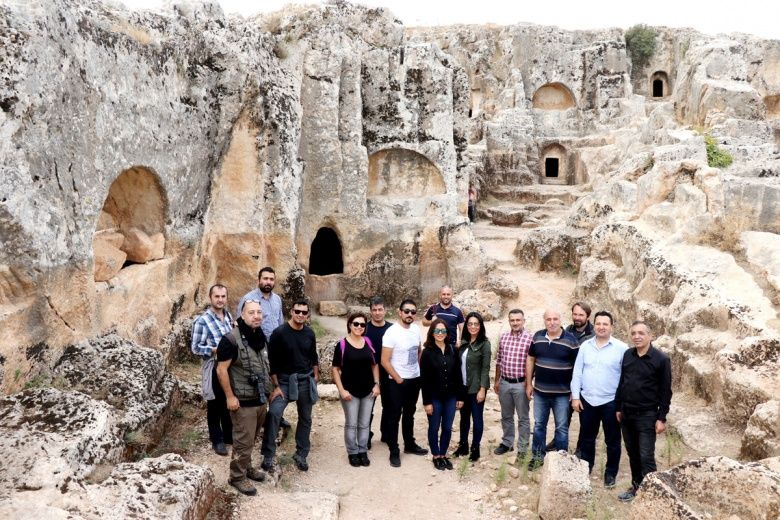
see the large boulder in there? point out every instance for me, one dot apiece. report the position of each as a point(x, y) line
point(49, 438)
point(715, 487)
point(131, 378)
point(487, 303)
point(109, 258)
point(564, 491)
point(141, 248)
point(553, 248)
point(762, 435)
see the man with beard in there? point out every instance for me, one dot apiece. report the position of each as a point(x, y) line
point(270, 302)
point(207, 331)
point(401, 360)
point(243, 371)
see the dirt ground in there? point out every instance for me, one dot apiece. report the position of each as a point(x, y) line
point(495, 487)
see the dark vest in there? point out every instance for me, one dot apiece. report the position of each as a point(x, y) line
point(247, 362)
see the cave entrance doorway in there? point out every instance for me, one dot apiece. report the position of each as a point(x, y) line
point(659, 83)
point(551, 167)
point(326, 256)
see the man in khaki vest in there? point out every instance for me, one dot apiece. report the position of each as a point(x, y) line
point(242, 368)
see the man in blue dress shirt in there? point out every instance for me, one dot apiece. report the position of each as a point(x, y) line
point(593, 385)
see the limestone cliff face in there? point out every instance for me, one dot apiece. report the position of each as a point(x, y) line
point(146, 156)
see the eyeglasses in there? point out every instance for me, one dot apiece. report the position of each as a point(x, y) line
point(301, 312)
point(473, 324)
point(440, 331)
point(409, 311)
point(361, 324)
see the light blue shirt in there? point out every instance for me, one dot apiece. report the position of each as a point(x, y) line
point(272, 310)
point(597, 371)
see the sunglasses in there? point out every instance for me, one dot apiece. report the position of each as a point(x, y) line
point(440, 331)
point(409, 311)
point(361, 324)
point(301, 312)
point(472, 324)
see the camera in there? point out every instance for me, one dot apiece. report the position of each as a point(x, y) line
point(258, 381)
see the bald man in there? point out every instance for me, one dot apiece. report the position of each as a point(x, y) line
point(549, 369)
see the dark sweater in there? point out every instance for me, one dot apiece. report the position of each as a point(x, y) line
point(292, 351)
point(440, 377)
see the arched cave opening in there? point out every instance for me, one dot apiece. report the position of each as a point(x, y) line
point(555, 164)
point(326, 256)
point(553, 96)
point(659, 83)
point(131, 224)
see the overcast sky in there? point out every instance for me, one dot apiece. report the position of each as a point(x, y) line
point(760, 17)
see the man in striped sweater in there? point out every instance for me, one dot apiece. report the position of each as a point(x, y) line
point(549, 368)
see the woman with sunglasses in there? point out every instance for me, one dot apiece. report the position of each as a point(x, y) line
point(474, 355)
point(441, 390)
point(356, 375)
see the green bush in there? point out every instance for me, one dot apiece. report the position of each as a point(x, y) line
point(716, 156)
point(640, 41)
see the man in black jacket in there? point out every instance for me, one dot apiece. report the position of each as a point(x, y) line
point(642, 400)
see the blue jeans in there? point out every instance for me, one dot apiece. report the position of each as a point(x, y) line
point(357, 421)
point(590, 419)
point(559, 404)
point(302, 429)
point(471, 410)
point(441, 418)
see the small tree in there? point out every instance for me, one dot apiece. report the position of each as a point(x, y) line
point(640, 41)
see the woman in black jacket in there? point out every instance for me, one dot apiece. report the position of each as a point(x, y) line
point(442, 389)
point(474, 355)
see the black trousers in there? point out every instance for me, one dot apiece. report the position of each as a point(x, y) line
point(591, 418)
point(639, 437)
point(401, 403)
point(218, 415)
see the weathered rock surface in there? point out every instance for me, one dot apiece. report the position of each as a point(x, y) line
point(304, 504)
point(762, 435)
point(564, 490)
point(715, 487)
point(52, 439)
point(333, 308)
point(109, 258)
point(487, 303)
point(142, 248)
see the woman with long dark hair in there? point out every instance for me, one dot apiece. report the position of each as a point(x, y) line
point(441, 390)
point(474, 356)
point(356, 375)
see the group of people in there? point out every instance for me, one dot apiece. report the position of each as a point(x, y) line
point(261, 364)
point(252, 369)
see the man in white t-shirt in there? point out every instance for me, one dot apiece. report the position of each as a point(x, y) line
point(401, 359)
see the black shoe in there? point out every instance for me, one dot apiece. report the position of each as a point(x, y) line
point(438, 464)
point(535, 464)
point(300, 463)
point(354, 460)
point(447, 463)
point(628, 495)
point(364, 459)
point(463, 450)
point(267, 466)
point(284, 423)
point(474, 455)
point(502, 448)
point(550, 446)
point(395, 460)
point(220, 448)
point(415, 449)
point(609, 481)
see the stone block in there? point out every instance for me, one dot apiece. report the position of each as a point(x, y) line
point(762, 435)
point(487, 303)
point(138, 246)
point(333, 308)
point(565, 489)
point(108, 258)
point(715, 487)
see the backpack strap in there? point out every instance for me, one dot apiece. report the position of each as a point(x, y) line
point(343, 345)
